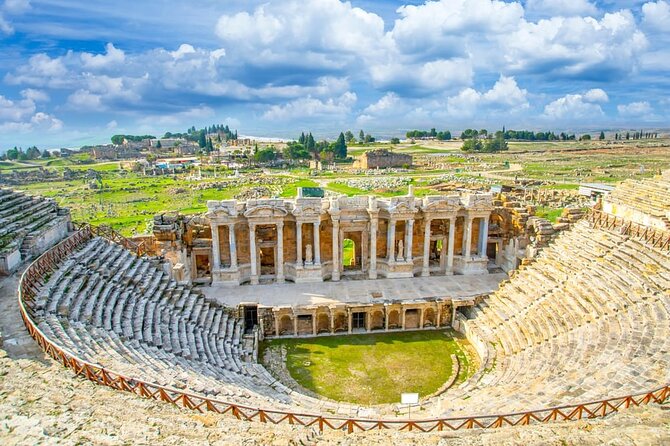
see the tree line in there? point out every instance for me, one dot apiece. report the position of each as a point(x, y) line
point(418, 134)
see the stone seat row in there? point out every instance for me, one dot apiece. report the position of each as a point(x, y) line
point(593, 329)
point(118, 310)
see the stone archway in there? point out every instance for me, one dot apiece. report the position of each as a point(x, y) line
point(377, 320)
point(322, 323)
point(429, 317)
point(341, 323)
point(285, 325)
point(394, 319)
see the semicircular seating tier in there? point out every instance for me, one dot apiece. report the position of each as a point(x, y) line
point(28, 226)
point(588, 319)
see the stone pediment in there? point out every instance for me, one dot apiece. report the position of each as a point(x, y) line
point(307, 208)
point(478, 202)
point(222, 209)
point(265, 211)
point(441, 204)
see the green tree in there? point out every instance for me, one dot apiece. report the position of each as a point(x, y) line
point(602, 135)
point(158, 144)
point(340, 147)
point(295, 151)
point(472, 145)
point(202, 139)
point(13, 154)
point(361, 136)
point(395, 140)
point(266, 155)
point(349, 137)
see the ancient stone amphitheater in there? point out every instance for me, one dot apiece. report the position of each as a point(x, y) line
point(580, 332)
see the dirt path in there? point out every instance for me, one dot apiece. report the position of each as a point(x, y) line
point(15, 338)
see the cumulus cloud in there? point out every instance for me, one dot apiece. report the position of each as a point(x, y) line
point(327, 27)
point(656, 15)
point(504, 95)
point(579, 47)
point(22, 116)
point(310, 107)
point(635, 109)
point(572, 107)
point(113, 56)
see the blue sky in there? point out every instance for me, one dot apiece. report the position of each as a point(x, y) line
point(75, 72)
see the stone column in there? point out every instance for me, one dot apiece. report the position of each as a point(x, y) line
point(425, 272)
point(253, 252)
point(279, 261)
point(298, 244)
point(438, 316)
point(421, 318)
point(467, 237)
point(216, 248)
point(276, 324)
point(403, 317)
point(295, 324)
point(331, 316)
point(483, 236)
point(372, 273)
point(409, 239)
point(317, 243)
point(450, 247)
point(391, 241)
point(386, 319)
point(232, 243)
point(368, 322)
point(336, 251)
point(349, 322)
point(314, 323)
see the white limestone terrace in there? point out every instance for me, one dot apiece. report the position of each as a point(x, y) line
point(358, 291)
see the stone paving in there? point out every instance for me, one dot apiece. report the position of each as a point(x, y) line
point(357, 291)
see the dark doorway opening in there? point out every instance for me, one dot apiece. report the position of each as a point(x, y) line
point(250, 318)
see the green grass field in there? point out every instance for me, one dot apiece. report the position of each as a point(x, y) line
point(374, 368)
point(347, 252)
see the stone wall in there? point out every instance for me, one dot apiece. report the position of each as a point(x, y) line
point(382, 159)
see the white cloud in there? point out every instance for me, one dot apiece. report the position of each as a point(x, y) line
point(635, 109)
point(113, 56)
point(327, 27)
point(22, 116)
point(562, 7)
point(84, 100)
point(505, 95)
point(436, 25)
point(5, 26)
point(16, 6)
point(596, 95)
point(656, 15)
point(15, 110)
point(35, 95)
point(573, 107)
point(111, 125)
point(310, 107)
point(576, 46)
point(183, 50)
point(431, 76)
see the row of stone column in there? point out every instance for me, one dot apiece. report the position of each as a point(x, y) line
point(405, 255)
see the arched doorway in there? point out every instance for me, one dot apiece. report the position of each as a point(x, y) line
point(285, 325)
